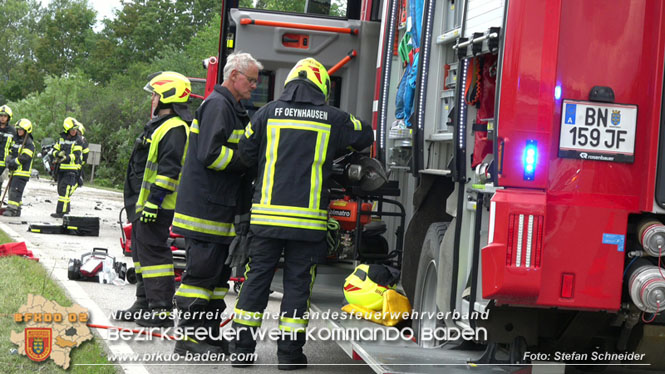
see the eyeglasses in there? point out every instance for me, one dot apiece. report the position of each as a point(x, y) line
point(250, 80)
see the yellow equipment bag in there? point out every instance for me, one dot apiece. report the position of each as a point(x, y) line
point(395, 307)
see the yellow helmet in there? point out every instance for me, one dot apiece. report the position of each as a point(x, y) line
point(5, 110)
point(81, 128)
point(24, 124)
point(310, 70)
point(366, 285)
point(69, 123)
point(171, 87)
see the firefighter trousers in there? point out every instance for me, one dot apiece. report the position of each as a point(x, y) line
point(16, 192)
point(300, 259)
point(67, 182)
point(153, 260)
point(140, 287)
point(203, 287)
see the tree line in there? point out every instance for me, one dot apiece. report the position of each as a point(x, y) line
point(55, 64)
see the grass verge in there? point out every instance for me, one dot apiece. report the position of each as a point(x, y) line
point(18, 278)
point(101, 187)
point(4, 238)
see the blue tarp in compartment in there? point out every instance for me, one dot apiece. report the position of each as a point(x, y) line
point(407, 86)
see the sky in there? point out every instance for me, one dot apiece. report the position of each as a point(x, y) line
point(104, 8)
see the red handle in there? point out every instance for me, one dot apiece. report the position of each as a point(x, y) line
point(343, 62)
point(341, 30)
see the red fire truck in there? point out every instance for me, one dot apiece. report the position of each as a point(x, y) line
point(525, 168)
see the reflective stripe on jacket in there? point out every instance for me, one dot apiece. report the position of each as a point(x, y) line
point(294, 141)
point(213, 173)
point(72, 146)
point(7, 135)
point(170, 149)
point(163, 175)
point(23, 154)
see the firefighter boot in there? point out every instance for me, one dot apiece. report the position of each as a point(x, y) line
point(216, 337)
point(12, 212)
point(207, 344)
point(131, 313)
point(60, 210)
point(155, 317)
point(140, 304)
point(297, 363)
point(243, 346)
point(191, 345)
point(289, 352)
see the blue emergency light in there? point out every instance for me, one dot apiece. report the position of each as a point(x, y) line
point(557, 92)
point(530, 159)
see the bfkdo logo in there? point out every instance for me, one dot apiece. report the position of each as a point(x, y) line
point(49, 330)
point(38, 343)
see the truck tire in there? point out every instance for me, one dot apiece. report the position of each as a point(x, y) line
point(424, 302)
point(429, 199)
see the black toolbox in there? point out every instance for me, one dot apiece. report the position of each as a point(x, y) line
point(71, 225)
point(82, 226)
point(47, 229)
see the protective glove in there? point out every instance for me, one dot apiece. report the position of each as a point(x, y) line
point(60, 157)
point(238, 251)
point(149, 214)
point(12, 163)
point(239, 248)
point(242, 227)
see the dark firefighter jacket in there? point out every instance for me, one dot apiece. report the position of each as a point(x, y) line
point(85, 151)
point(22, 154)
point(213, 174)
point(7, 135)
point(153, 172)
point(294, 141)
point(72, 146)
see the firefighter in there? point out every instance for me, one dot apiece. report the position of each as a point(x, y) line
point(7, 133)
point(67, 154)
point(208, 200)
point(84, 153)
point(153, 175)
point(19, 162)
point(294, 141)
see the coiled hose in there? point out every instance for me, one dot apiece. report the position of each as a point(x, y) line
point(332, 237)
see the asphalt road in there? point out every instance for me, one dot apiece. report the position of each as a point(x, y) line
point(101, 300)
point(40, 199)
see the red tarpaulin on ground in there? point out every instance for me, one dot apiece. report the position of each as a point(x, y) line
point(16, 249)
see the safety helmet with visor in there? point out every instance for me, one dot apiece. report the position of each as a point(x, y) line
point(171, 87)
point(312, 71)
point(25, 125)
point(69, 123)
point(5, 110)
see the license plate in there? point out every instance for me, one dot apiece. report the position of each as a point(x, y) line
point(597, 131)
